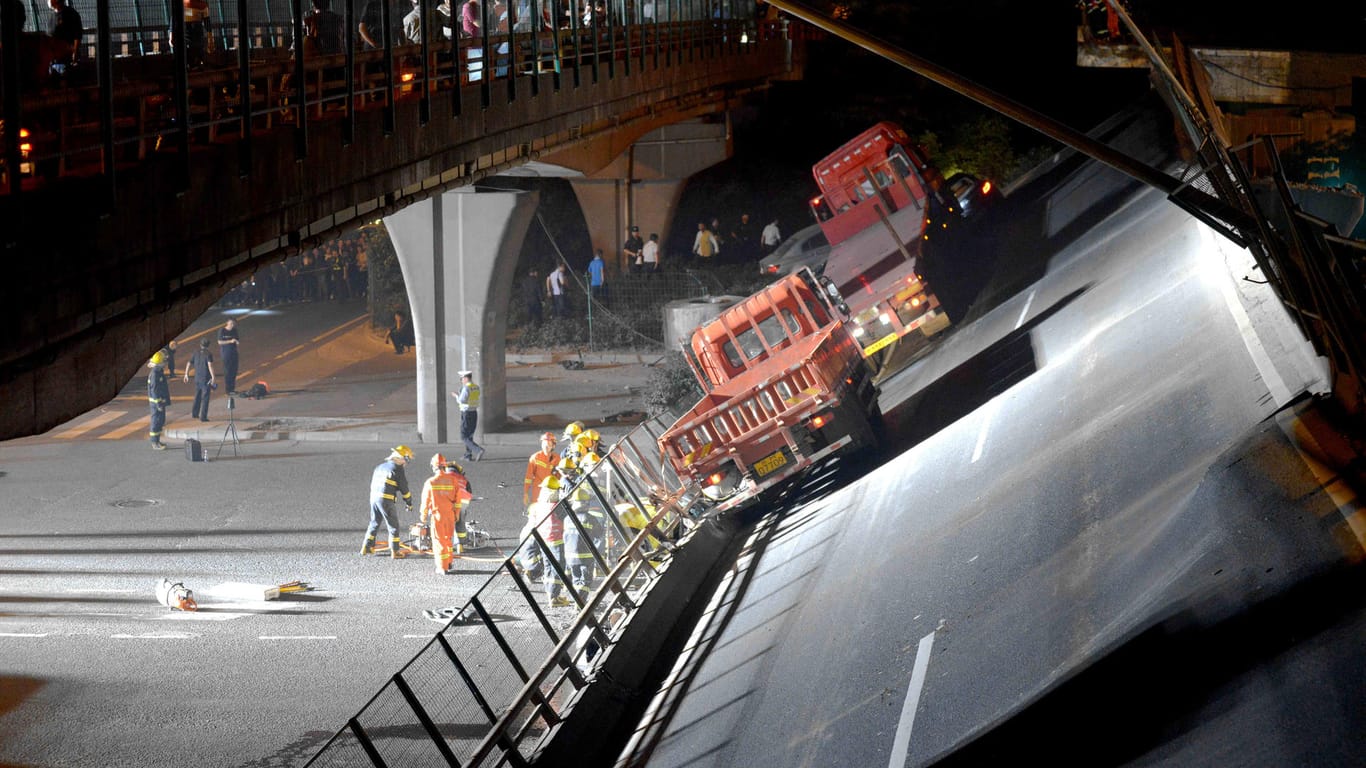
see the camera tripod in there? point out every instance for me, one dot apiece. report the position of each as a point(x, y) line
point(231, 430)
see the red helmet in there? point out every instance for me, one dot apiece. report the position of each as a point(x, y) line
point(549, 436)
point(438, 461)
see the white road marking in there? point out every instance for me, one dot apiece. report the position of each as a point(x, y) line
point(297, 637)
point(1025, 311)
point(162, 636)
point(199, 616)
point(85, 426)
point(23, 634)
point(901, 744)
point(337, 328)
point(988, 413)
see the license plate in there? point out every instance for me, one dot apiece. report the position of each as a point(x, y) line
point(770, 463)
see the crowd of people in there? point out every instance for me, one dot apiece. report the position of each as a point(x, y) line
point(333, 271)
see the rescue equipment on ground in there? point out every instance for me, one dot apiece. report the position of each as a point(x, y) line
point(176, 596)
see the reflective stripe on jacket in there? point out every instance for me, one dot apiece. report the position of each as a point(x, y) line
point(389, 483)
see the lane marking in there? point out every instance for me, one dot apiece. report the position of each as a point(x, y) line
point(98, 421)
point(297, 637)
point(337, 328)
point(982, 433)
point(155, 636)
point(290, 351)
point(1025, 311)
point(23, 634)
point(126, 430)
point(901, 745)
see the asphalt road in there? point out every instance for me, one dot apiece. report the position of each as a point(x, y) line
point(93, 671)
point(1088, 525)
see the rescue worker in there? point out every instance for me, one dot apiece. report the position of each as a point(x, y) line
point(589, 441)
point(158, 397)
point(546, 516)
point(580, 544)
point(445, 497)
point(540, 466)
point(387, 485)
point(572, 430)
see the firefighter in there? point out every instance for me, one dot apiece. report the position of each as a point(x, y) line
point(540, 466)
point(572, 430)
point(445, 497)
point(546, 516)
point(589, 441)
point(387, 485)
point(577, 550)
point(158, 397)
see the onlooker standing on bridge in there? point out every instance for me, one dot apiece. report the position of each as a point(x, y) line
point(468, 398)
point(202, 364)
point(158, 397)
point(227, 350)
point(66, 29)
point(326, 28)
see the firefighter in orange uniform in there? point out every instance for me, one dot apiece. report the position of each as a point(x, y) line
point(538, 468)
point(445, 496)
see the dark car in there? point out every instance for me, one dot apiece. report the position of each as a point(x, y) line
point(973, 194)
point(807, 248)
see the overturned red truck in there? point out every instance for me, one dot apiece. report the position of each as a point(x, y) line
point(785, 387)
point(786, 371)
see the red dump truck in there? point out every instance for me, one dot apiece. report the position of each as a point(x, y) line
point(786, 385)
point(881, 204)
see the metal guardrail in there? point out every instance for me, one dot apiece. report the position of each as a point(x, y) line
point(131, 99)
point(506, 669)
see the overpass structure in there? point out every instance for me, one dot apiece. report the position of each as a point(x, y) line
point(140, 189)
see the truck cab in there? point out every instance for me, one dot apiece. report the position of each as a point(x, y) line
point(786, 385)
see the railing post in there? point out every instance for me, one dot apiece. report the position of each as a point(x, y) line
point(300, 83)
point(425, 720)
point(349, 124)
point(243, 90)
point(182, 95)
point(104, 62)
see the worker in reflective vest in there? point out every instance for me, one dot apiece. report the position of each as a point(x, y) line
point(468, 398)
point(445, 497)
point(388, 484)
point(538, 468)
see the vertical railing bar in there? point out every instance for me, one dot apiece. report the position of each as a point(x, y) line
point(541, 618)
point(426, 721)
point(244, 145)
point(362, 736)
point(104, 57)
point(485, 72)
point(349, 125)
point(390, 120)
point(551, 716)
point(300, 82)
point(469, 681)
point(511, 44)
point(424, 104)
point(182, 97)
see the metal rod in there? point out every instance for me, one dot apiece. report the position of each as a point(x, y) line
point(1020, 113)
point(426, 721)
point(243, 90)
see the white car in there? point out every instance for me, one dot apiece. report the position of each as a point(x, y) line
point(807, 248)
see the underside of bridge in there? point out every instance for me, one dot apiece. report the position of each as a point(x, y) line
point(105, 270)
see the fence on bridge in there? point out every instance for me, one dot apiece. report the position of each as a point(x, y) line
point(130, 98)
point(502, 672)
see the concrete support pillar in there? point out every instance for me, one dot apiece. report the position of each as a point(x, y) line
point(458, 252)
point(611, 205)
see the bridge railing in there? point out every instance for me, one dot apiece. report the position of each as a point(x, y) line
point(131, 100)
point(508, 665)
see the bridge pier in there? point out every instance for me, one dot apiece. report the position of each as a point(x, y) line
point(641, 183)
point(458, 252)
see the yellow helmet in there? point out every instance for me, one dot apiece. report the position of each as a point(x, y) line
point(593, 435)
point(551, 482)
point(590, 460)
point(572, 429)
point(158, 358)
point(403, 452)
point(567, 464)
